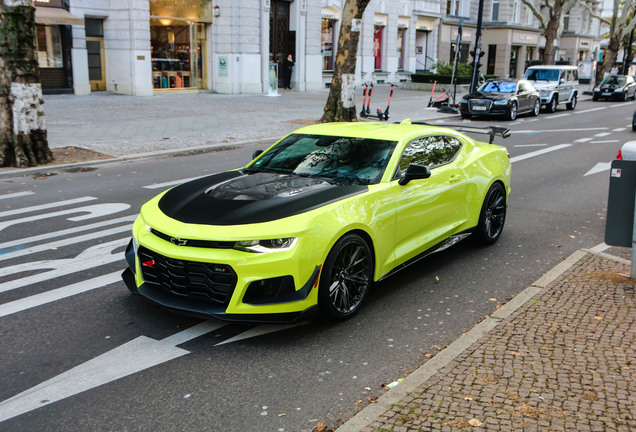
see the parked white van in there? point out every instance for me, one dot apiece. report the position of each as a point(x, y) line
point(557, 85)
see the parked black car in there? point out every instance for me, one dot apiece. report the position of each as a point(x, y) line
point(503, 97)
point(616, 87)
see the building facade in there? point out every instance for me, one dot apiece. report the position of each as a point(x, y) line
point(142, 47)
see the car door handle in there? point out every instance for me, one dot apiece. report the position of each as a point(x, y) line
point(454, 178)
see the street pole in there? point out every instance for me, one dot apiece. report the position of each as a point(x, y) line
point(477, 56)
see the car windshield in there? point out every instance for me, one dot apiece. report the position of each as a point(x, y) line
point(542, 75)
point(613, 80)
point(347, 160)
point(498, 86)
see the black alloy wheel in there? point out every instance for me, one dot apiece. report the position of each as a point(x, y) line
point(572, 104)
point(512, 111)
point(346, 278)
point(493, 215)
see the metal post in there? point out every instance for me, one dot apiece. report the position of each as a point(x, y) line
point(480, 13)
point(632, 273)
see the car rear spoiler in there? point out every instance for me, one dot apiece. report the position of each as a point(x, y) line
point(492, 131)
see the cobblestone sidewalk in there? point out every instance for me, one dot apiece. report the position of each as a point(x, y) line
point(565, 360)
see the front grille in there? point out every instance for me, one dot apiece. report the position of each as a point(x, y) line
point(480, 105)
point(192, 279)
point(212, 244)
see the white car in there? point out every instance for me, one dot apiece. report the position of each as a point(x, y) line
point(627, 152)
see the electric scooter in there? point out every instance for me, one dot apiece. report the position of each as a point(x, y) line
point(385, 115)
point(363, 112)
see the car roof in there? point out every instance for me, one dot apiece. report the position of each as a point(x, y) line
point(557, 67)
point(374, 130)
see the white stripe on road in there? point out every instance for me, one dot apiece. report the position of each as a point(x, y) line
point(602, 134)
point(27, 240)
point(538, 152)
point(583, 140)
point(560, 130)
point(16, 195)
point(66, 242)
point(58, 294)
point(94, 211)
point(589, 110)
point(45, 206)
point(171, 183)
point(530, 145)
point(603, 142)
point(94, 256)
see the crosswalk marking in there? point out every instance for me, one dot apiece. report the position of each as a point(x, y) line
point(16, 195)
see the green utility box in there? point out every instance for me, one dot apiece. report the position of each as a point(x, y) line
point(619, 226)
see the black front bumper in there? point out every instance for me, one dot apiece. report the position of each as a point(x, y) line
point(199, 308)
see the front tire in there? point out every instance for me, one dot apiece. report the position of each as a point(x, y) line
point(492, 216)
point(552, 105)
point(346, 278)
point(572, 104)
point(512, 111)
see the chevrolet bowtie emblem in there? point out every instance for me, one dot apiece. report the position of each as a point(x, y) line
point(178, 241)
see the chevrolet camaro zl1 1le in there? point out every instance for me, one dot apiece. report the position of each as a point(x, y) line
point(311, 223)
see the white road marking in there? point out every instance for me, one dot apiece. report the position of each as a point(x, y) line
point(602, 134)
point(259, 331)
point(538, 152)
point(619, 130)
point(555, 116)
point(582, 140)
point(530, 145)
point(15, 195)
point(132, 357)
point(94, 211)
point(27, 240)
point(599, 167)
point(45, 206)
point(94, 256)
point(528, 131)
point(603, 142)
point(171, 183)
point(65, 242)
point(590, 110)
point(58, 294)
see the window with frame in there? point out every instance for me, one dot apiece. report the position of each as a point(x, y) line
point(516, 6)
point(452, 7)
point(494, 13)
point(529, 16)
point(430, 151)
point(327, 43)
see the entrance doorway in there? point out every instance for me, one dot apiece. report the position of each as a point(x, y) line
point(95, 51)
point(282, 41)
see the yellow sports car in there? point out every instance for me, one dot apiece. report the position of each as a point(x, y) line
point(311, 223)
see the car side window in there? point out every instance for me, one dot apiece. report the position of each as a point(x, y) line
point(430, 151)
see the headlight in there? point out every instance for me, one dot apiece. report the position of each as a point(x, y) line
point(500, 102)
point(597, 89)
point(618, 90)
point(266, 246)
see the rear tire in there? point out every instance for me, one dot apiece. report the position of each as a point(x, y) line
point(537, 108)
point(492, 216)
point(346, 278)
point(595, 97)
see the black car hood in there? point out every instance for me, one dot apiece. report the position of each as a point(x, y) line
point(488, 95)
point(236, 198)
point(611, 86)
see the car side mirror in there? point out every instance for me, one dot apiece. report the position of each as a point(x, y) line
point(414, 172)
point(256, 154)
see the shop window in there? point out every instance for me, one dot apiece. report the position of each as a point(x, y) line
point(378, 32)
point(401, 41)
point(464, 50)
point(49, 45)
point(171, 54)
point(327, 43)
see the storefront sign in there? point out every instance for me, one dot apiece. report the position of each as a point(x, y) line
point(222, 66)
point(525, 38)
point(425, 24)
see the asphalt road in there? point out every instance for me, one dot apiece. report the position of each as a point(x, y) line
point(79, 353)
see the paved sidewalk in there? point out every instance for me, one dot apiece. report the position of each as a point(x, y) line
point(119, 125)
point(565, 360)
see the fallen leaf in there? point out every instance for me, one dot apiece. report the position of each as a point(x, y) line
point(492, 299)
point(282, 415)
point(598, 318)
point(475, 422)
point(320, 427)
point(468, 398)
point(437, 278)
point(430, 355)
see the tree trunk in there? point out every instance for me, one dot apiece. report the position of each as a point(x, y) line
point(551, 33)
point(340, 105)
point(23, 138)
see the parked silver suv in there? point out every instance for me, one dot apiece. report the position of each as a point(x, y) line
point(556, 84)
